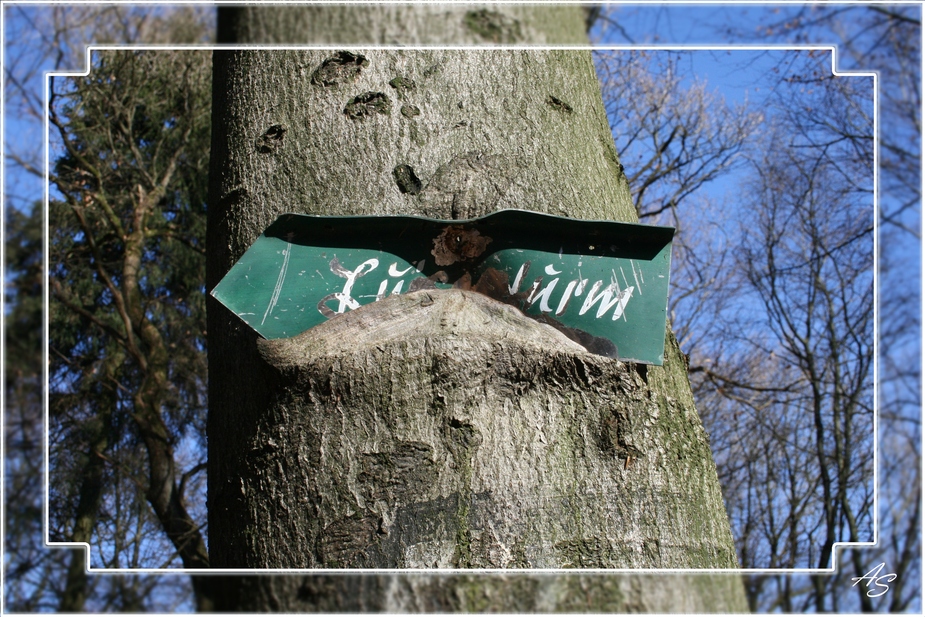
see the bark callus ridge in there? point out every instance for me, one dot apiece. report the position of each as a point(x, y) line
point(433, 425)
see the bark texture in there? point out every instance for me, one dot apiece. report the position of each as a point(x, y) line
point(400, 25)
point(668, 592)
point(443, 429)
point(439, 429)
point(341, 132)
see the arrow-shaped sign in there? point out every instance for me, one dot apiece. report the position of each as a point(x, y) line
point(604, 284)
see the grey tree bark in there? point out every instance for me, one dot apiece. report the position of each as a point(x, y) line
point(444, 430)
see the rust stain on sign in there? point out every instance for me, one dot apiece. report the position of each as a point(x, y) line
point(456, 243)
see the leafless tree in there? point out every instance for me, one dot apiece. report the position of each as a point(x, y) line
point(886, 39)
point(790, 411)
point(673, 137)
point(794, 357)
point(676, 136)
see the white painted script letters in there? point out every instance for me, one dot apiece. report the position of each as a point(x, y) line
point(609, 300)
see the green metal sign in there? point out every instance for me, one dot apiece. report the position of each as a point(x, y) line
point(603, 284)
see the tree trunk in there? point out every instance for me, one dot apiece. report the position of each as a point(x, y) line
point(90, 496)
point(446, 430)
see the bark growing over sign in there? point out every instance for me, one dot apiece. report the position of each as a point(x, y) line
point(440, 429)
point(456, 432)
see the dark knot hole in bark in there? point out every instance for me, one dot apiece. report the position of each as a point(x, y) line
point(271, 139)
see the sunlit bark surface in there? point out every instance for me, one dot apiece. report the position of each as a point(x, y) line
point(440, 429)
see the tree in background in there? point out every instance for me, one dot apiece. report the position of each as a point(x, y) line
point(126, 329)
point(675, 139)
point(23, 384)
point(126, 346)
point(885, 39)
point(792, 428)
point(800, 367)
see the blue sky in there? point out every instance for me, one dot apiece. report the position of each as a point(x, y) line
point(736, 74)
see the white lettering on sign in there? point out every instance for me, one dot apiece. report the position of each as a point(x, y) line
point(542, 296)
point(384, 285)
point(610, 298)
point(393, 270)
point(345, 300)
point(517, 279)
point(578, 287)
